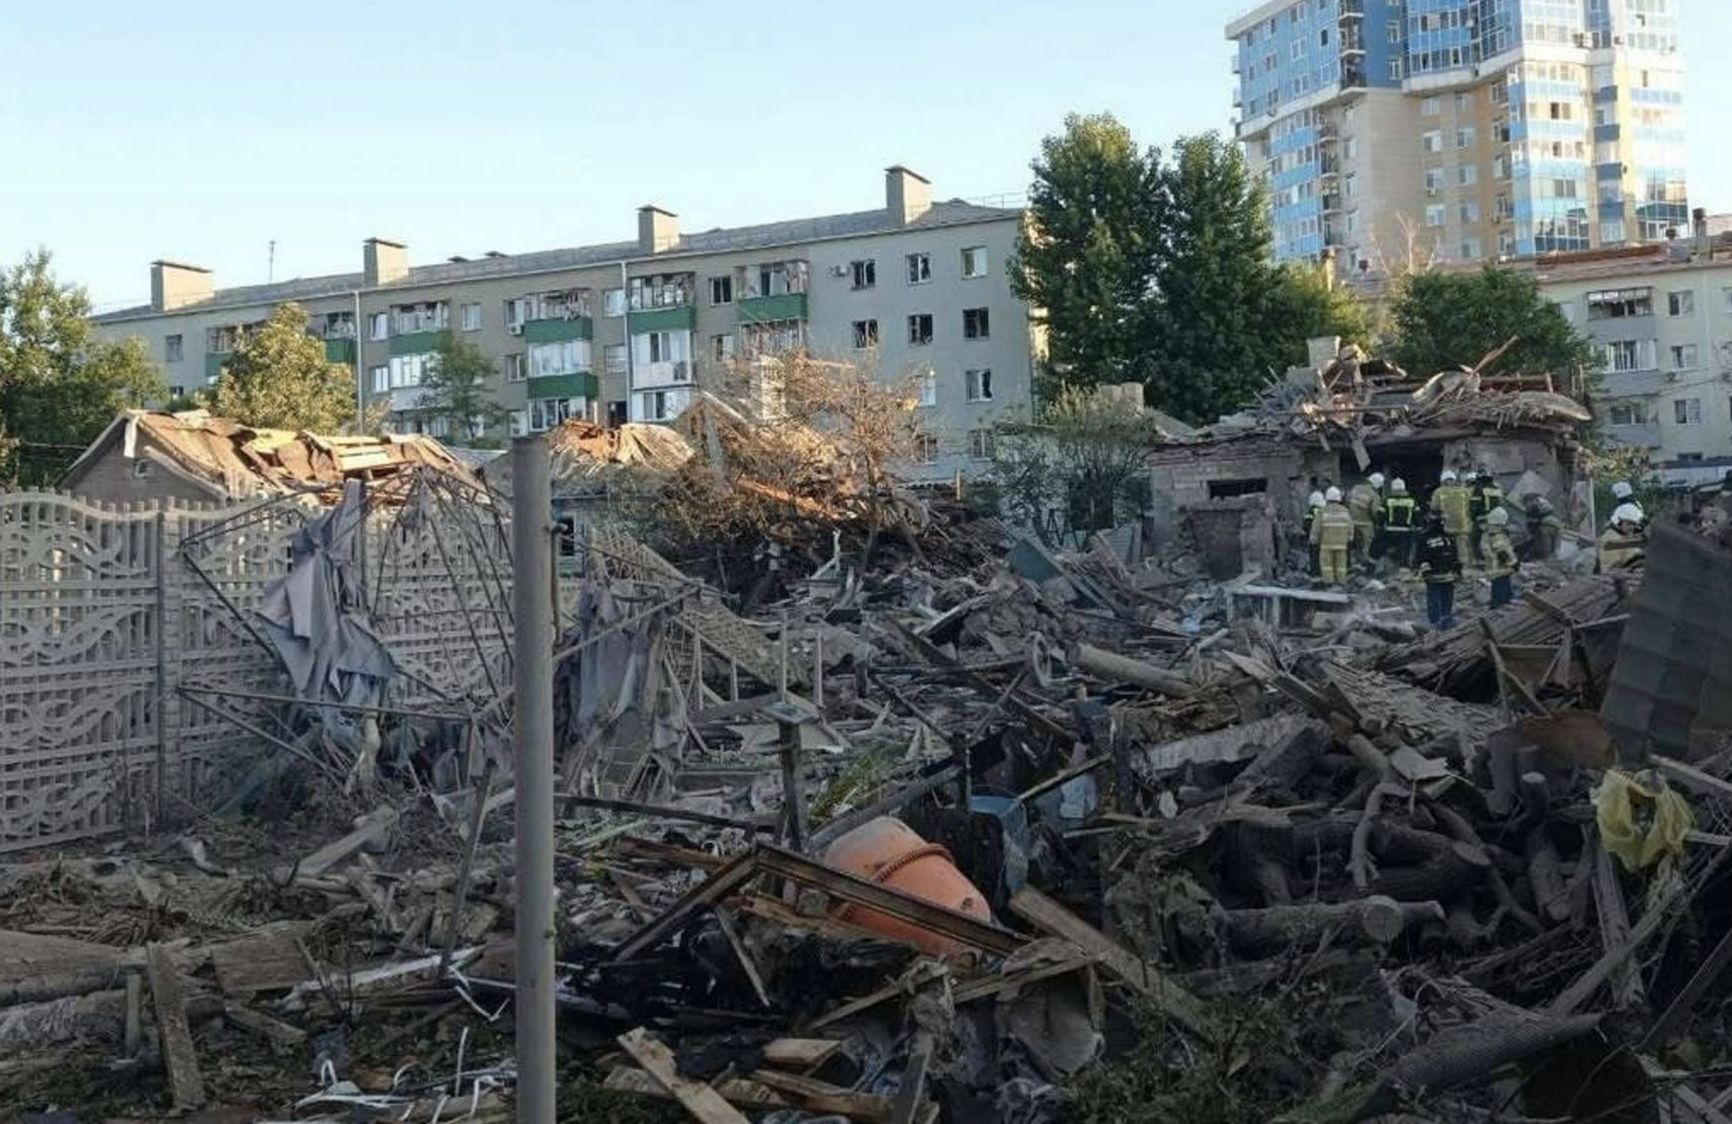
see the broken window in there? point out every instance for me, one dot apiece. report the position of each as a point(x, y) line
point(865, 333)
point(380, 326)
point(1227, 489)
point(974, 324)
point(423, 316)
point(919, 268)
point(863, 274)
point(721, 290)
point(661, 290)
point(613, 302)
point(979, 384)
point(929, 388)
point(1609, 304)
point(172, 349)
point(1682, 303)
point(981, 444)
point(974, 261)
point(1633, 412)
point(1684, 356)
point(1687, 411)
point(722, 347)
point(920, 328)
point(926, 449)
point(516, 367)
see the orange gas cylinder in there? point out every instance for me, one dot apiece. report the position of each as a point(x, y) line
point(889, 852)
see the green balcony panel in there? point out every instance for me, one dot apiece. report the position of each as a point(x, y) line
point(664, 320)
point(340, 350)
point(580, 385)
point(415, 343)
point(766, 310)
point(213, 364)
point(553, 331)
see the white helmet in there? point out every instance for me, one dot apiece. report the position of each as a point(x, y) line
point(1497, 517)
point(1377, 480)
point(1316, 500)
point(1398, 487)
point(1622, 490)
point(1333, 495)
point(1448, 476)
point(1626, 513)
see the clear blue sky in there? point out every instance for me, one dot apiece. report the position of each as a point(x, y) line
point(202, 130)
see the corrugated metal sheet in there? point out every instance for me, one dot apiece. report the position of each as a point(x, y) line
point(1672, 686)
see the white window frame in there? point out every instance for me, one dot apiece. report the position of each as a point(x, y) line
point(722, 346)
point(469, 315)
point(612, 303)
point(1682, 408)
point(722, 290)
point(380, 377)
point(379, 326)
point(173, 347)
point(863, 274)
point(1684, 356)
point(915, 338)
point(926, 449)
point(865, 334)
point(1681, 302)
point(929, 389)
point(974, 262)
point(919, 268)
point(615, 359)
point(516, 367)
point(982, 444)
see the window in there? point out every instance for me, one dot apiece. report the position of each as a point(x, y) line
point(974, 324)
point(422, 316)
point(1393, 31)
point(1433, 180)
point(722, 347)
point(980, 444)
point(1464, 103)
point(1430, 107)
point(519, 422)
point(562, 357)
point(516, 367)
point(545, 413)
point(974, 261)
point(1434, 215)
point(929, 388)
point(1350, 184)
point(613, 358)
point(1687, 411)
point(1634, 412)
point(171, 349)
point(1464, 137)
point(381, 377)
point(1470, 249)
point(1684, 356)
point(1561, 111)
point(722, 290)
point(379, 326)
point(471, 317)
point(613, 302)
point(1470, 211)
point(440, 426)
point(1395, 70)
point(408, 370)
point(919, 268)
point(1431, 141)
point(865, 333)
point(926, 449)
point(920, 328)
point(978, 384)
point(1296, 50)
point(1682, 303)
point(1628, 355)
point(863, 274)
point(665, 290)
point(661, 347)
point(1612, 304)
point(1467, 175)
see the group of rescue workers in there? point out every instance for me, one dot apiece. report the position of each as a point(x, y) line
point(1465, 526)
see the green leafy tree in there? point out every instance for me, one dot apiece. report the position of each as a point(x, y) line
point(1305, 302)
point(1086, 454)
point(455, 387)
point(59, 383)
point(1440, 321)
point(278, 378)
point(1083, 259)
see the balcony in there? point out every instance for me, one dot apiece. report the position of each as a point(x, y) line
point(1332, 204)
point(340, 349)
point(765, 310)
point(415, 343)
point(676, 319)
point(771, 291)
point(662, 291)
point(1641, 434)
point(555, 329)
point(582, 384)
point(668, 372)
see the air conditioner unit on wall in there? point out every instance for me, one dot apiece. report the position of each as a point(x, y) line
point(838, 271)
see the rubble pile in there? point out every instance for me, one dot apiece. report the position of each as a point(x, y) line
point(984, 831)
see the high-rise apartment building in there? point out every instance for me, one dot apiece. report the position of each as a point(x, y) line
point(629, 330)
point(1395, 131)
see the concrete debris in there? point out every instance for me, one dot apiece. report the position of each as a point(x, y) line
point(907, 817)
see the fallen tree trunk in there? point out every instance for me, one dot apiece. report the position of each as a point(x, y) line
point(1377, 918)
point(1111, 665)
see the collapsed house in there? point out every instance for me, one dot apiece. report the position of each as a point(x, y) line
point(1240, 486)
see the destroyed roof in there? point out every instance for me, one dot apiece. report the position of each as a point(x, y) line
point(237, 461)
point(583, 454)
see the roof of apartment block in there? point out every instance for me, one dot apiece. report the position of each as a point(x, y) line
point(953, 212)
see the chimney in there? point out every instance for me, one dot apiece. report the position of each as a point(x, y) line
point(657, 229)
point(174, 285)
point(907, 195)
point(1699, 226)
point(384, 261)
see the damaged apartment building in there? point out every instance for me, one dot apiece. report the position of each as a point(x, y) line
point(1240, 486)
point(627, 331)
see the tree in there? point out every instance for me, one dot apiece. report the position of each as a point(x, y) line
point(455, 387)
point(1086, 454)
point(1083, 259)
point(278, 378)
point(59, 383)
point(1306, 302)
point(1444, 320)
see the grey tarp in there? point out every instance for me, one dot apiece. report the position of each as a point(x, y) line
point(313, 616)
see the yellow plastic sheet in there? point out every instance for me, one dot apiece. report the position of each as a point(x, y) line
point(1638, 823)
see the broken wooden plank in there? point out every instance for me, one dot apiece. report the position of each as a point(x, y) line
point(924, 971)
point(1112, 666)
point(696, 1097)
point(1048, 915)
point(911, 1093)
point(800, 1053)
point(821, 1096)
point(368, 829)
point(179, 1059)
point(274, 1031)
point(712, 889)
point(734, 1090)
point(262, 961)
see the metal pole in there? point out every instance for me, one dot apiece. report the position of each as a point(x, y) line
point(360, 368)
point(531, 515)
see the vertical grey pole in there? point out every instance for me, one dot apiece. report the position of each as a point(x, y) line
point(532, 721)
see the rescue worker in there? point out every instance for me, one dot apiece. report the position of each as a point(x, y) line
point(1332, 532)
point(1451, 500)
point(1365, 504)
point(1313, 507)
point(1623, 544)
point(1624, 494)
point(1483, 499)
point(1544, 527)
point(1499, 556)
point(1400, 521)
point(1440, 565)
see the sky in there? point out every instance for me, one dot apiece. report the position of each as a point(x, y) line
point(204, 131)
